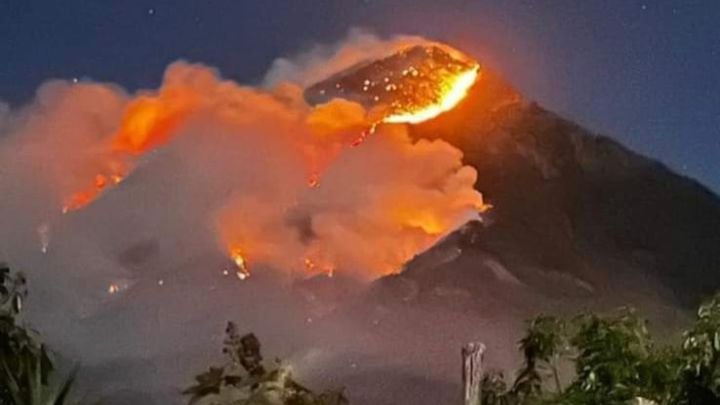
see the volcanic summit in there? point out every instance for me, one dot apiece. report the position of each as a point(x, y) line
point(411, 85)
point(574, 212)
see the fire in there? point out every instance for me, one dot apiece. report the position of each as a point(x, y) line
point(451, 90)
point(115, 288)
point(384, 196)
point(314, 180)
point(309, 265)
point(150, 121)
point(82, 198)
point(238, 257)
point(410, 86)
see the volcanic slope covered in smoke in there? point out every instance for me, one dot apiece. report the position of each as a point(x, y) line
point(578, 222)
point(575, 212)
point(140, 217)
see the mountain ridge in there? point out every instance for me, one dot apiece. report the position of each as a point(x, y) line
point(567, 199)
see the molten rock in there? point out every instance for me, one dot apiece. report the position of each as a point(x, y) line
point(411, 86)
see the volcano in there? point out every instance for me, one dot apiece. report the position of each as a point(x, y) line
point(186, 191)
point(576, 213)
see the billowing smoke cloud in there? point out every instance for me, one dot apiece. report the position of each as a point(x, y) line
point(313, 65)
point(285, 184)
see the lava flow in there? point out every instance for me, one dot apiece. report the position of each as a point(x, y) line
point(451, 89)
point(411, 86)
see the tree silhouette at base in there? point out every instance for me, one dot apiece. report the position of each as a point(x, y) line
point(244, 380)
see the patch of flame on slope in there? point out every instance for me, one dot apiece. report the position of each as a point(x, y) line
point(148, 122)
point(82, 198)
point(242, 272)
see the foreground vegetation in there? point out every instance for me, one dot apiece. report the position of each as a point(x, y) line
point(612, 360)
point(244, 380)
point(27, 372)
point(588, 360)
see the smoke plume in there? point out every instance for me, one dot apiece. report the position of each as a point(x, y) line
point(281, 183)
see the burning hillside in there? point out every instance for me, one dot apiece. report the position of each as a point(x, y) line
point(288, 184)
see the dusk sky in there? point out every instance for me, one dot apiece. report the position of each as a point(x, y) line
point(644, 72)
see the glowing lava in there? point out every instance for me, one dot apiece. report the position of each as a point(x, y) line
point(450, 91)
point(411, 86)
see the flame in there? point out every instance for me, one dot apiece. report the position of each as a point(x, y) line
point(314, 180)
point(238, 257)
point(115, 288)
point(82, 198)
point(150, 121)
point(453, 89)
point(428, 222)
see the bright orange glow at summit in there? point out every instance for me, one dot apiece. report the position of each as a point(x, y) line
point(452, 90)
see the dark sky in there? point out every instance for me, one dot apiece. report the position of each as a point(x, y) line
point(645, 72)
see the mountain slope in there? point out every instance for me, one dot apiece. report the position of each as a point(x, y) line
point(575, 203)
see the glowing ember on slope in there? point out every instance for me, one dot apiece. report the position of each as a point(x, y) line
point(309, 265)
point(238, 257)
point(117, 287)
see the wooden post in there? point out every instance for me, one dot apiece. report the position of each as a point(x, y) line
point(472, 355)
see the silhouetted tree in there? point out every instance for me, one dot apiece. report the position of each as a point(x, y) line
point(26, 369)
point(615, 361)
point(243, 380)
